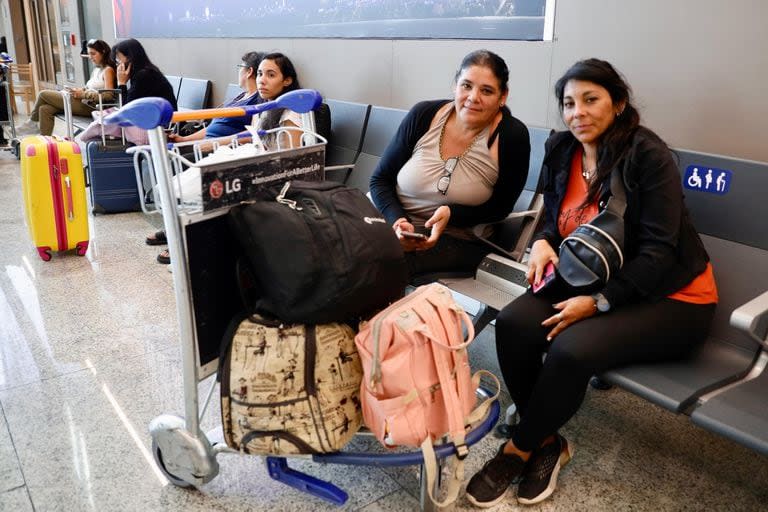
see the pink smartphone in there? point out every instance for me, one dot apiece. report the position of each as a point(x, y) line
point(548, 277)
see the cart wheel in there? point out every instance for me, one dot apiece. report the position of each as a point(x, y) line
point(159, 461)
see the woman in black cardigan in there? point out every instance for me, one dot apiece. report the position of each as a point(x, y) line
point(453, 165)
point(137, 77)
point(657, 307)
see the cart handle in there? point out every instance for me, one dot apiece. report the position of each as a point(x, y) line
point(150, 113)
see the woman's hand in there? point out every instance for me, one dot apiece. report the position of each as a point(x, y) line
point(402, 225)
point(437, 224)
point(569, 312)
point(123, 73)
point(76, 93)
point(541, 254)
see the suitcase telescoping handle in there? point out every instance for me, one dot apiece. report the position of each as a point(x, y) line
point(149, 113)
point(64, 170)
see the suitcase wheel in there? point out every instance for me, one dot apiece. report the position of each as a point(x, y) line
point(45, 253)
point(82, 248)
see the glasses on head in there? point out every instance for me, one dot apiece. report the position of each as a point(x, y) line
point(445, 180)
point(91, 41)
point(241, 66)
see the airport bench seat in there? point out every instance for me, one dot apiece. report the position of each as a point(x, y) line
point(713, 382)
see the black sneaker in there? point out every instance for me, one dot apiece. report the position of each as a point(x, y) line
point(540, 475)
point(488, 486)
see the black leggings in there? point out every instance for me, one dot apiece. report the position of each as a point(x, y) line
point(549, 393)
point(448, 255)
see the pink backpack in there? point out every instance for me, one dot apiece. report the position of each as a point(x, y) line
point(417, 386)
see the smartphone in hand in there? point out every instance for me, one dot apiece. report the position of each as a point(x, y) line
point(414, 236)
point(548, 277)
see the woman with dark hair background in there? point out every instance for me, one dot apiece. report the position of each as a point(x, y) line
point(137, 77)
point(657, 307)
point(276, 76)
point(84, 100)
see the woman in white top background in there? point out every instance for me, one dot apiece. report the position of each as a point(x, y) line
point(275, 77)
point(50, 103)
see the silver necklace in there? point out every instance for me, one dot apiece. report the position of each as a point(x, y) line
point(587, 174)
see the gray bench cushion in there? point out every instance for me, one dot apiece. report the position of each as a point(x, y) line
point(741, 414)
point(727, 355)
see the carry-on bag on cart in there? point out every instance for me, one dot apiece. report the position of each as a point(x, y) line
point(53, 185)
point(289, 389)
point(417, 387)
point(320, 252)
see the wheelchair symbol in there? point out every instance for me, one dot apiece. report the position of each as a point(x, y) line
point(716, 181)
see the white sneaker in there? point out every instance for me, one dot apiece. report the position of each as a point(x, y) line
point(28, 127)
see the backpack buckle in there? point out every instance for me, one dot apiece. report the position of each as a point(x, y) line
point(462, 451)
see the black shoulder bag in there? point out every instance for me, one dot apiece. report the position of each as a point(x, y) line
point(594, 251)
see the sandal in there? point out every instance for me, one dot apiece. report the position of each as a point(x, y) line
point(164, 257)
point(158, 238)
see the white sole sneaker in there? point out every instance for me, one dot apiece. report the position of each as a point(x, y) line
point(565, 457)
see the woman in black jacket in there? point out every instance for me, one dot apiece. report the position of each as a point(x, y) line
point(451, 165)
point(657, 307)
point(137, 77)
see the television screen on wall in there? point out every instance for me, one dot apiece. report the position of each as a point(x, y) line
point(369, 19)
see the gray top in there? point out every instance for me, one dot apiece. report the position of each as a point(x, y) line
point(471, 184)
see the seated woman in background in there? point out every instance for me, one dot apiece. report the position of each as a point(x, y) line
point(275, 76)
point(454, 164)
point(657, 307)
point(223, 126)
point(137, 77)
point(50, 103)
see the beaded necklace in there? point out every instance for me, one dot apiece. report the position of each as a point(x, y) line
point(442, 134)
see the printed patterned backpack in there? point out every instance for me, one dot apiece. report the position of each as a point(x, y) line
point(290, 389)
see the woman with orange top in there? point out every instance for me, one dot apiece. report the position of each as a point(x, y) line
point(657, 307)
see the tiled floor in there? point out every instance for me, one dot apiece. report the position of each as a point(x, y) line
point(89, 355)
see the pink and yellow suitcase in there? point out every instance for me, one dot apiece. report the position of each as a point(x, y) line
point(53, 184)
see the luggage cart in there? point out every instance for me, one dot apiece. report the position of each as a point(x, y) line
point(206, 294)
point(8, 141)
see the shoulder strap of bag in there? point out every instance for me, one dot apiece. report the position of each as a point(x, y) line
point(617, 203)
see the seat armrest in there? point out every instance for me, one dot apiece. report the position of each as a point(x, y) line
point(528, 225)
point(345, 167)
point(752, 318)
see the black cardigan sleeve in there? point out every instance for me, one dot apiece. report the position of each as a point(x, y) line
point(146, 83)
point(514, 155)
point(383, 184)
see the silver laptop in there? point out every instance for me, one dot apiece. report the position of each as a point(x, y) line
point(497, 282)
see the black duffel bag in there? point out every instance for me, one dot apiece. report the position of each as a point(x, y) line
point(319, 252)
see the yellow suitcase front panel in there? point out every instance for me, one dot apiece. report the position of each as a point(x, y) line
point(55, 201)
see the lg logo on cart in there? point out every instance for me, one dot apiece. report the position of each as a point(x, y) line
point(217, 188)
